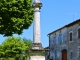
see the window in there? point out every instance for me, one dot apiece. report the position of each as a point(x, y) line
point(48, 57)
point(79, 33)
point(54, 40)
point(60, 38)
point(71, 55)
point(55, 54)
point(70, 35)
point(79, 52)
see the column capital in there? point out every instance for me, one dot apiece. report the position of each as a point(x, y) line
point(37, 5)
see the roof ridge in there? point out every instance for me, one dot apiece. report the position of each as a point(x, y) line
point(67, 25)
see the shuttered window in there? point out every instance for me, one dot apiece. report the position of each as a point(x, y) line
point(55, 55)
point(60, 38)
point(70, 36)
point(54, 40)
point(48, 57)
point(71, 55)
point(79, 33)
point(79, 52)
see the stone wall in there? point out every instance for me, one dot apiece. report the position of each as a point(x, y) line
point(70, 46)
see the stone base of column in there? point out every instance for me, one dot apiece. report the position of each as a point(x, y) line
point(37, 46)
point(37, 52)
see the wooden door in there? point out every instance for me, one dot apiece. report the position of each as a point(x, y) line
point(64, 54)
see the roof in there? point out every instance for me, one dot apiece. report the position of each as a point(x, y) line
point(46, 47)
point(68, 25)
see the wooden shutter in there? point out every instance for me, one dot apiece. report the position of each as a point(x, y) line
point(48, 57)
point(55, 55)
point(71, 36)
point(79, 33)
point(71, 55)
point(60, 38)
point(79, 52)
point(55, 40)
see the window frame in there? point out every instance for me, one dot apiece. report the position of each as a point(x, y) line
point(60, 39)
point(71, 55)
point(71, 37)
point(55, 54)
point(79, 52)
point(78, 32)
point(55, 39)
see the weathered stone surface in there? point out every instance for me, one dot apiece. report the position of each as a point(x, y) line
point(71, 46)
point(37, 57)
point(36, 26)
point(37, 52)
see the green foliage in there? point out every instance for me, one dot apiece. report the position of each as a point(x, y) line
point(1, 51)
point(10, 58)
point(13, 47)
point(15, 15)
point(28, 42)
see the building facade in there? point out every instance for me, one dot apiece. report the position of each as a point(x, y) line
point(64, 43)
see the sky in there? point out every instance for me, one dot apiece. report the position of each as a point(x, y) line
point(54, 14)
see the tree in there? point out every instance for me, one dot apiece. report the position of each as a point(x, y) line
point(12, 47)
point(15, 47)
point(15, 15)
point(28, 42)
point(1, 51)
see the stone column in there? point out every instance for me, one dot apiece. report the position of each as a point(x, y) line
point(36, 33)
point(37, 52)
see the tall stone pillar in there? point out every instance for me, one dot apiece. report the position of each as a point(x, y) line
point(37, 52)
point(36, 25)
point(36, 33)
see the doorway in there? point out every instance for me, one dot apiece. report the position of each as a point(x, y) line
point(64, 54)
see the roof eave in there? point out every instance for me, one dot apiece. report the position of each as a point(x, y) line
point(72, 23)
